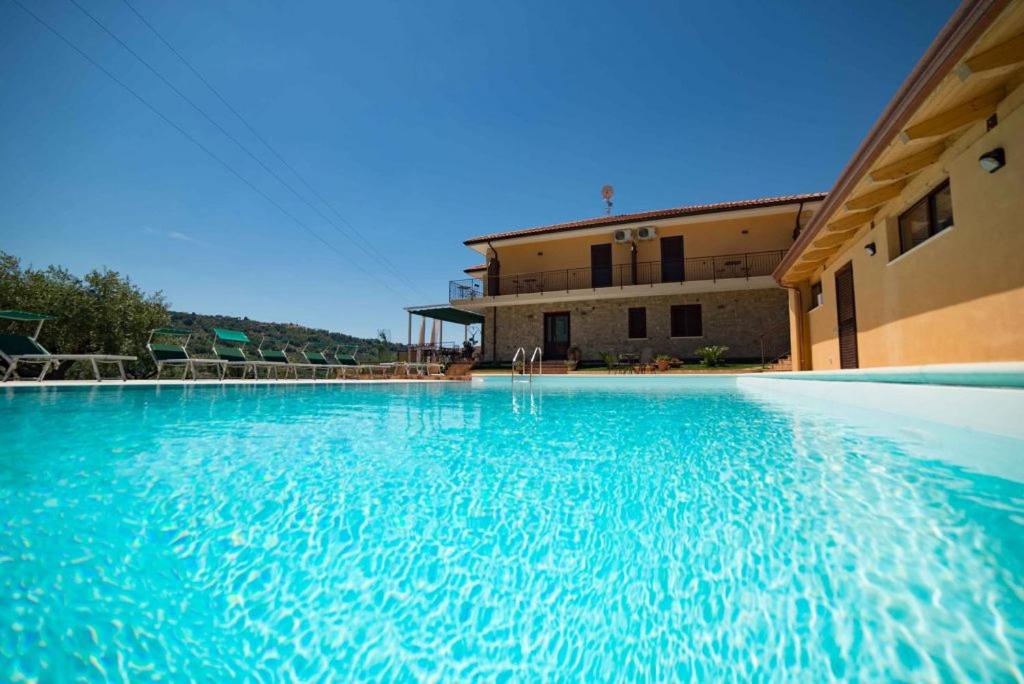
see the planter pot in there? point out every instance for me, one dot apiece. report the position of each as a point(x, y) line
point(662, 365)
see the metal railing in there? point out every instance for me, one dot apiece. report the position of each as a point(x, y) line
point(774, 343)
point(519, 356)
point(538, 356)
point(714, 268)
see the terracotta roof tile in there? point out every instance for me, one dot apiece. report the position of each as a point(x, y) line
point(676, 212)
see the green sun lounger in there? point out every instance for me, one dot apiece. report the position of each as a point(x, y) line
point(18, 350)
point(347, 361)
point(235, 356)
point(279, 358)
point(168, 353)
point(317, 360)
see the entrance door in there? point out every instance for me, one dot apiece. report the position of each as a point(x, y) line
point(556, 336)
point(846, 313)
point(601, 265)
point(672, 259)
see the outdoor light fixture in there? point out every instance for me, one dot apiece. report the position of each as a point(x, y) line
point(993, 160)
point(870, 249)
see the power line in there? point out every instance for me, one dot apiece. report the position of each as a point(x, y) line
point(189, 137)
point(220, 128)
point(369, 245)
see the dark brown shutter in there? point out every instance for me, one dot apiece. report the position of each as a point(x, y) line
point(493, 277)
point(694, 321)
point(601, 265)
point(672, 259)
point(686, 320)
point(846, 317)
point(638, 322)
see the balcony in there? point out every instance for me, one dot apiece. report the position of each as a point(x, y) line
point(713, 268)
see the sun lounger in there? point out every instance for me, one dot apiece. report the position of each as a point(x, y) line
point(18, 350)
point(317, 360)
point(279, 357)
point(25, 349)
point(235, 356)
point(174, 354)
point(347, 361)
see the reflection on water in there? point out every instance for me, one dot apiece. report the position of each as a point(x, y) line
point(535, 532)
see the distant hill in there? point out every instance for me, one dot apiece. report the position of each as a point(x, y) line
point(277, 334)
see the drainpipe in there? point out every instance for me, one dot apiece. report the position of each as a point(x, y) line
point(796, 227)
point(632, 262)
point(796, 347)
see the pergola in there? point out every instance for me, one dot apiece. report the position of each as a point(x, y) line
point(443, 313)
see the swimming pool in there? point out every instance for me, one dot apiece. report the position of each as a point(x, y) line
point(555, 531)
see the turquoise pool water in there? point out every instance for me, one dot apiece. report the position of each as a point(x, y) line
point(683, 531)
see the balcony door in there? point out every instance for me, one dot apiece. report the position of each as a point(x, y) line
point(601, 265)
point(556, 335)
point(672, 259)
point(846, 315)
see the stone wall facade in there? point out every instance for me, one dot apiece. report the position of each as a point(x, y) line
point(734, 319)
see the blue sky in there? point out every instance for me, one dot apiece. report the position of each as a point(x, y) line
point(422, 124)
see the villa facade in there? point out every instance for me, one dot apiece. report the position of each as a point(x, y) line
point(658, 282)
point(917, 254)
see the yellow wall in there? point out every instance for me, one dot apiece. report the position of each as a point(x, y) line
point(712, 238)
point(959, 296)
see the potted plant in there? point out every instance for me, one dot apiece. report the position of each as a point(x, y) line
point(610, 360)
point(712, 356)
point(662, 361)
point(572, 358)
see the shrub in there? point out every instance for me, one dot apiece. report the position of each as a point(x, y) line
point(712, 356)
point(101, 312)
point(610, 360)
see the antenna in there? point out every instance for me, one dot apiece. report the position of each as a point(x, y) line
point(608, 192)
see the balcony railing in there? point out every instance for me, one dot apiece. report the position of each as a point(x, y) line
point(713, 268)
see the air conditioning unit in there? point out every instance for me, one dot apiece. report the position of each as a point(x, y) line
point(646, 233)
point(623, 236)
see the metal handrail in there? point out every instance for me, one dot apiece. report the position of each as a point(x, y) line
point(538, 355)
point(714, 268)
point(519, 352)
point(763, 342)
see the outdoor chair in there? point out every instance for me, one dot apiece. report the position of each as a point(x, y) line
point(170, 354)
point(18, 350)
point(235, 357)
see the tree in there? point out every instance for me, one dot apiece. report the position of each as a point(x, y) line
point(102, 312)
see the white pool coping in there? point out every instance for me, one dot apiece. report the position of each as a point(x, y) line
point(991, 374)
point(208, 382)
point(985, 397)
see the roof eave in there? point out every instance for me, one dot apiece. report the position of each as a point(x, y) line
point(641, 217)
point(966, 25)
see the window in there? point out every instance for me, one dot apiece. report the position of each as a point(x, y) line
point(686, 321)
point(816, 297)
point(932, 215)
point(638, 323)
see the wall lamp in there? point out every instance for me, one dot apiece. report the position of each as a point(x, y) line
point(870, 249)
point(993, 160)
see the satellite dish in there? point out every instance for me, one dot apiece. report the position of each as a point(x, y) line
point(607, 192)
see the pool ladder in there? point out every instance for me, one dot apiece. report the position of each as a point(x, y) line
point(527, 367)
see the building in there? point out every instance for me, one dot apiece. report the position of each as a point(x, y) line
point(658, 282)
point(917, 254)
